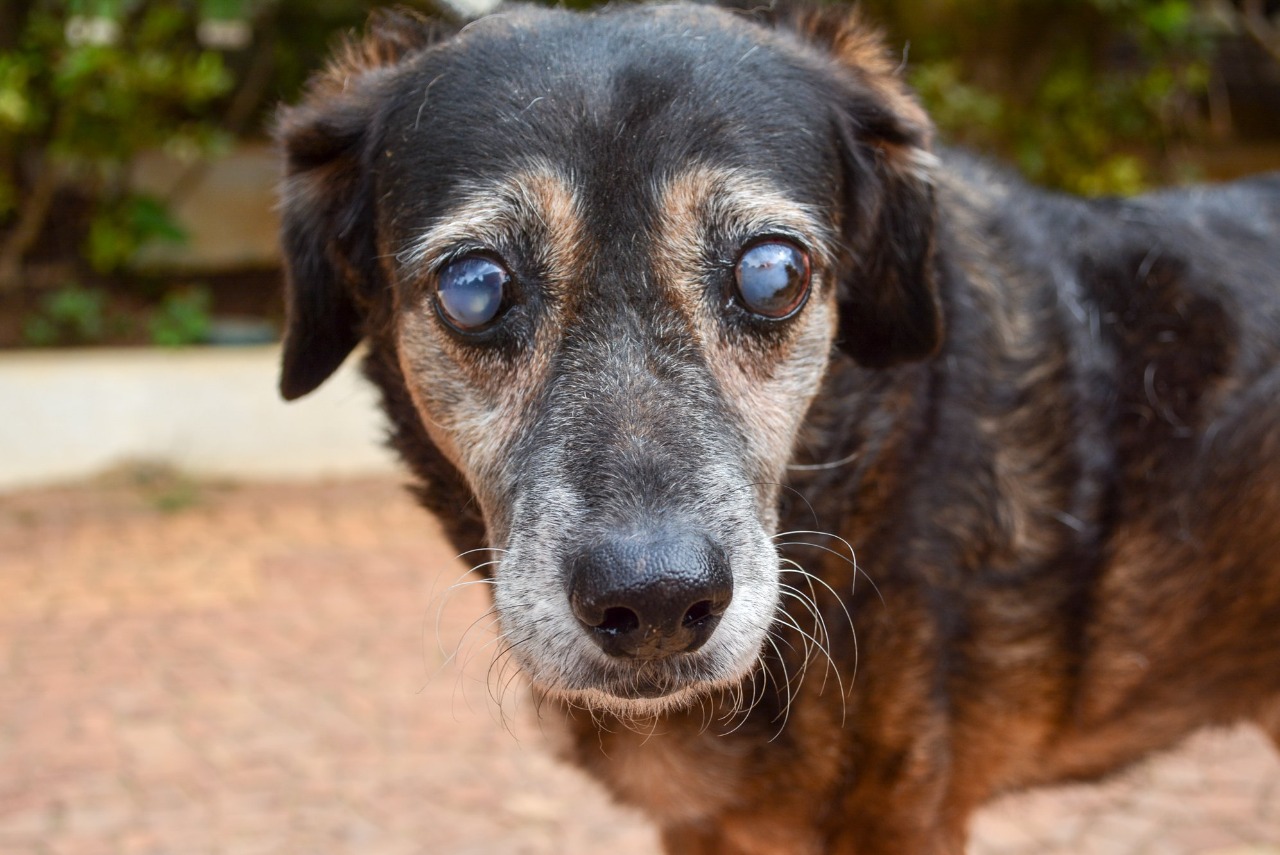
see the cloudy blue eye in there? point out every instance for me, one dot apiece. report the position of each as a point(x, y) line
point(772, 278)
point(470, 291)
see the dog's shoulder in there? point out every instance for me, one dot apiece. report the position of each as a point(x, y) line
point(1188, 257)
point(1163, 309)
point(1185, 257)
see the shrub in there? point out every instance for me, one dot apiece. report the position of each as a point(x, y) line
point(83, 89)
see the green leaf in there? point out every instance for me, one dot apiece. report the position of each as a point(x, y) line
point(151, 220)
point(70, 315)
point(110, 242)
point(225, 10)
point(8, 198)
point(182, 319)
point(118, 231)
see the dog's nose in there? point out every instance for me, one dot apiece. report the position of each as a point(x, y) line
point(651, 596)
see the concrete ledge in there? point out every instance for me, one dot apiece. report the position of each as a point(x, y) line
point(208, 411)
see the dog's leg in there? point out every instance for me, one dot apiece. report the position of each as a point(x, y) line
point(870, 840)
point(1269, 721)
point(695, 840)
point(757, 834)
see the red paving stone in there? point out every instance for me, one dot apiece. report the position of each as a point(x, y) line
point(195, 669)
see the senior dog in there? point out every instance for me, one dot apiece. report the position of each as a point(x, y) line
point(834, 483)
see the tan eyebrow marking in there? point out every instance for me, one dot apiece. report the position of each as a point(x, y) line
point(768, 387)
point(536, 202)
point(735, 200)
point(474, 405)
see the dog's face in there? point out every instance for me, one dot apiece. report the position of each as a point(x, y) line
point(613, 255)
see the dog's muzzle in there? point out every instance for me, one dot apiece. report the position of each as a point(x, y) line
point(650, 595)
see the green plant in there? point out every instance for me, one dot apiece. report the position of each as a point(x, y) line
point(182, 318)
point(121, 227)
point(164, 488)
point(70, 315)
point(1089, 95)
point(1093, 96)
point(83, 89)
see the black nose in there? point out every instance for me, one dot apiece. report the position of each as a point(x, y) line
point(651, 595)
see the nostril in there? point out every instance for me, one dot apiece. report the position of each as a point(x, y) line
point(618, 621)
point(697, 614)
point(650, 594)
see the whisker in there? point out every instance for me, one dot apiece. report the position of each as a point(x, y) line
point(447, 657)
point(833, 464)
point(850, 559)
point(853, 633)
point(794, 593)
point(812, 512)
point(822, 632)
point(740, 706)
point(830, 667)
point(786, 685)
point(461, 663)
point(786, 620)
point(819, 638)
point(445, 596)
point(497, 549)
point(813, 577)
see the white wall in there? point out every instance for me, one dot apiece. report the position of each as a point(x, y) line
point(208, 411)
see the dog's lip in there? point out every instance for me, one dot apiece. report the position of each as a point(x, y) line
point(643, 690)
point(647, 682)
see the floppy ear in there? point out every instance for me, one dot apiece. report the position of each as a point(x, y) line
point(889, 308)
point(326, 242)
point(332, 274)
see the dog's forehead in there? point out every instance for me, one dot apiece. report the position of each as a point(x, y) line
point(615, 99)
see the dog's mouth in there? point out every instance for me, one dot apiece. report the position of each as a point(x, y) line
point(589, 653)
point(588, 676)
point(684, 675)
point(644, 689)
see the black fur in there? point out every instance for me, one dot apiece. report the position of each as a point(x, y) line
point(1048, 428)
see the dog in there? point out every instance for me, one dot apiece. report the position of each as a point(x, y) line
point(835, 482)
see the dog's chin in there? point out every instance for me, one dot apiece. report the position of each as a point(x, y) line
point(650, 689)
point(636, 704)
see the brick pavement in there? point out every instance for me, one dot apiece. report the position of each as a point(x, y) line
point(196, 669)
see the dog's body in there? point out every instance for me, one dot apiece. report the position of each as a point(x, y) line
point(1047, 428)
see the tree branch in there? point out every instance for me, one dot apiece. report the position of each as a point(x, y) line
point(31, 219)
point(1253, 17)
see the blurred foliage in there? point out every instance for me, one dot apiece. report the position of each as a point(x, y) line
point(84, 87)
point(74, 315)
point(122, 226)
point(1093, 96)
point(68, 316)
point(182, 318)
point(159, 485)
point(88, 85)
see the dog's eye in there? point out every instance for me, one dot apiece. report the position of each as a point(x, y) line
point(470, 291)
point(772, 278)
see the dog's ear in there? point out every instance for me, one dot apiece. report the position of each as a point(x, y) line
point(332, 274)
point(889, 307)
point(325, 225)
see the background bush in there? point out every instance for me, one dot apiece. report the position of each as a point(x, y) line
point(1094, 96)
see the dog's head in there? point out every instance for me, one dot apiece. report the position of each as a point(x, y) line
point(613, 255)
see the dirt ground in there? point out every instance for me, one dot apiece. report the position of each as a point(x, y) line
point(193, 668)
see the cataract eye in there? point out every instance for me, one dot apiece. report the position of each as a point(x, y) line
point(772, 278)
point(470, 291)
